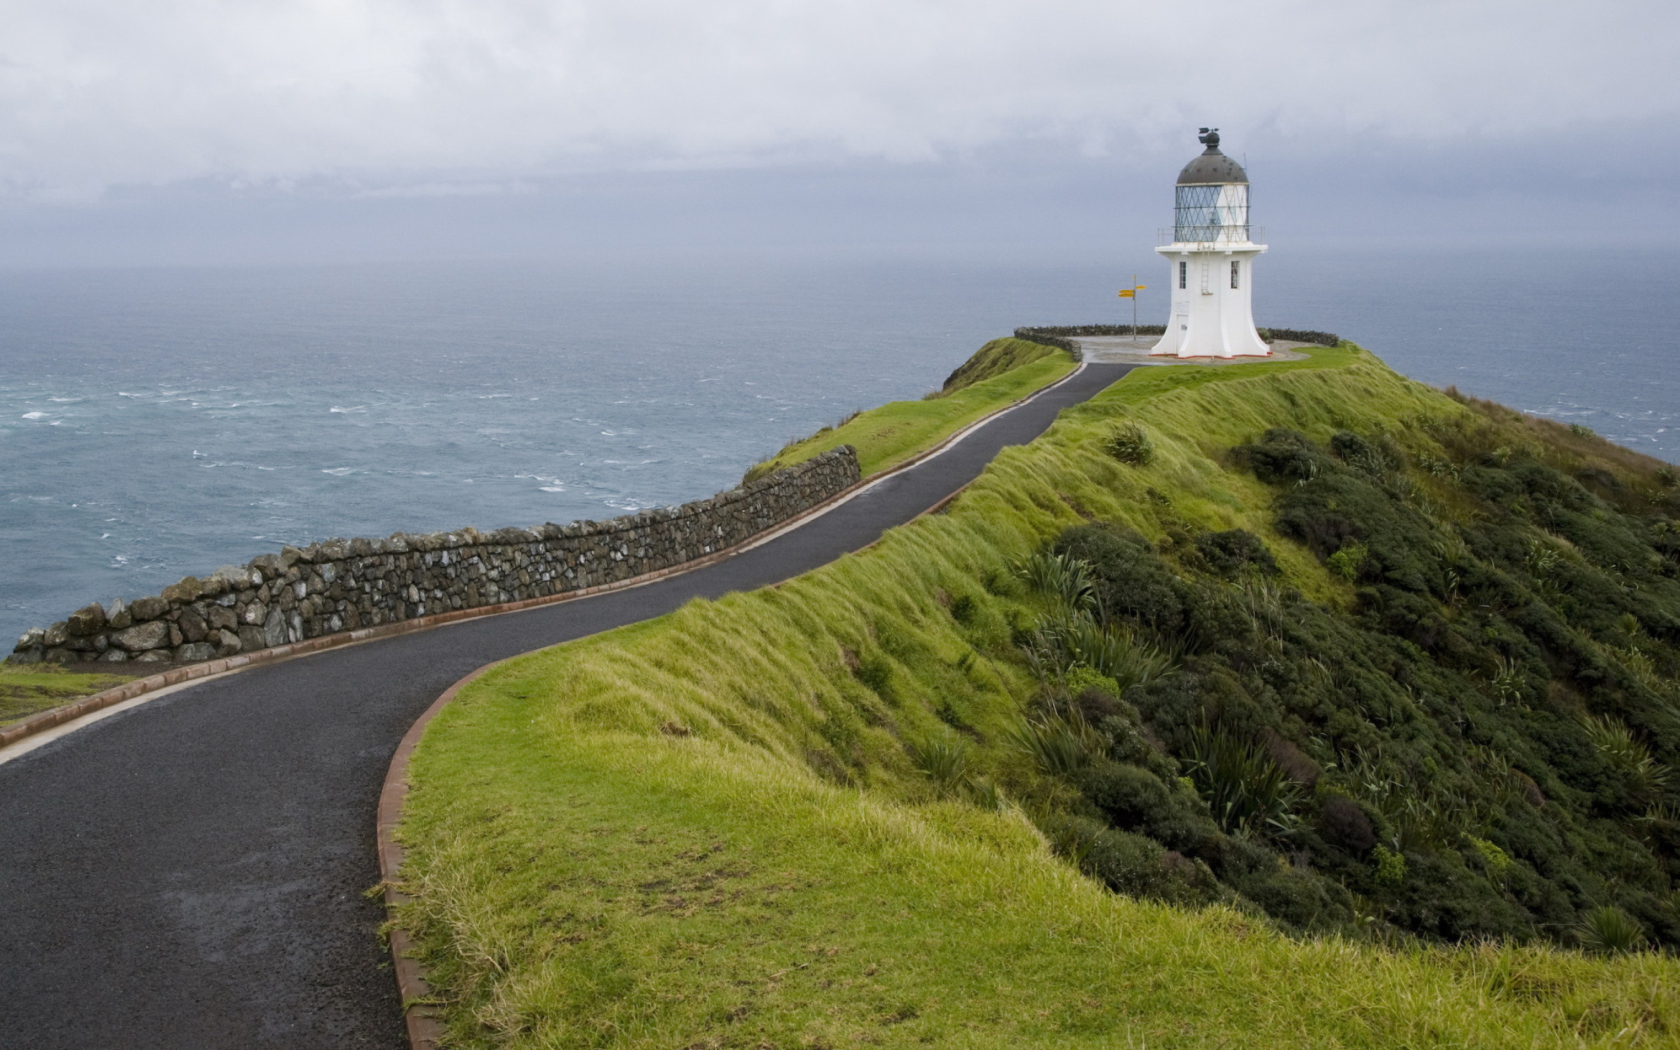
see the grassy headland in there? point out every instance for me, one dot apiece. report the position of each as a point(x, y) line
point(1265, 705)
point(29, 689)
point(1004, 371)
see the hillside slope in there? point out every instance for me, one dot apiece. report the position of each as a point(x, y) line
point(1000, 373)
point(1268, 705)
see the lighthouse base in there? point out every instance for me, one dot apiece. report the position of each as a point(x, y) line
point(1212, 313)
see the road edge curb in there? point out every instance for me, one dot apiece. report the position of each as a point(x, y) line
point(419, 1013)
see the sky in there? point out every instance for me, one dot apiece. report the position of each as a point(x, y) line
point(221, 131)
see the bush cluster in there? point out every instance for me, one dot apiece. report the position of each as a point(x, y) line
point(1478, 745)
point(1129, 443)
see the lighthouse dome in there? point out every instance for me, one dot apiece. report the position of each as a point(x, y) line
point(1212, 168)
point(1211, 203)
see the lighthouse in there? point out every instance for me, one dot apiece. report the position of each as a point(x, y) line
point(1211, 253)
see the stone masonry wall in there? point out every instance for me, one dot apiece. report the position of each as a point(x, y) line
point(341, 585)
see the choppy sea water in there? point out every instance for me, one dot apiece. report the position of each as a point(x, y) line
point(155, 423)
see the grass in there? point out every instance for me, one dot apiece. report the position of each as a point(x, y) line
point(992, 360)
point(773, 868)
point(899, 430)
point(32, 688)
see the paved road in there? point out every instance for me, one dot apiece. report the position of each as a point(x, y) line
point(190, 873)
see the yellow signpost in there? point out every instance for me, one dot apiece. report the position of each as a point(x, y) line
point(1131, 293)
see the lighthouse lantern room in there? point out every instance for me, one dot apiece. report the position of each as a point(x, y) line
point(1211, 251)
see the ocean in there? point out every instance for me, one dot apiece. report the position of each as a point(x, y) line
point(156, 423)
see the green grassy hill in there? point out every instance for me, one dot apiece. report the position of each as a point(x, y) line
point(1266, 705)
point(1003, 371)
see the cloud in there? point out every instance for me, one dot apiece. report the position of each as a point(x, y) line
point(99, 93)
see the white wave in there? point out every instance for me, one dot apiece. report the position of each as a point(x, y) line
point(34, 415)
point(552, 488)
point(352, 408)
point(338, 472)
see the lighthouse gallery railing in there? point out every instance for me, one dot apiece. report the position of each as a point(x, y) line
point(1209, 235)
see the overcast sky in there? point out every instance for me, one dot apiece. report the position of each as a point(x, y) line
point(263, 127)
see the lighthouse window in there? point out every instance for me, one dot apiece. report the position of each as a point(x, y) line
point(1234, 265)
point(1184, 275)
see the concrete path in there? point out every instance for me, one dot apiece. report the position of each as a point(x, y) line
point(192, 873)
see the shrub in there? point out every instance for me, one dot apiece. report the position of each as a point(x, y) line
point(1508, 682)
point(1246, 790)
point(1071, 837)
point(1094, 692)
point(1349, 560)
point(1130, 864)
point(1609, 930)
point(1127, 659)
point(1391, 867)
point(963, 608)
point(1354, 450)
point(1131, 579)
point(1133, 799)
point(1060, 578)
point(1581, 430)
point(1140, 867)
point(1128, 743)
point(1057, 746)
point(1129, 443)
point(1113, 653)
point(1280, 457)
point(945, 760)
point(1300, 335)
point(1235, 552)
point(1345, 825)
point(1297, 897)
point(1644, 775)
point(1496, 860)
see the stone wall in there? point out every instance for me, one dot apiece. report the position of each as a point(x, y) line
point(342, 585)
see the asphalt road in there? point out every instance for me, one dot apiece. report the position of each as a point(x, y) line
point(191, 873)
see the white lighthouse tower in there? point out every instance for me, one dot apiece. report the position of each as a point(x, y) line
point(1212, 257)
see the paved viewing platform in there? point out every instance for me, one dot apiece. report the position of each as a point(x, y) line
point(1134, 350)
